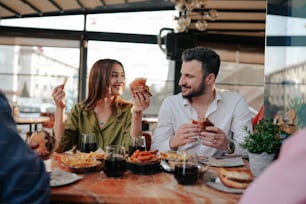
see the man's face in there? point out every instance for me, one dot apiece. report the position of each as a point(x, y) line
point(191, 81)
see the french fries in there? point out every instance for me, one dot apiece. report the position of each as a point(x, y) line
point(79, 160)
point(65, 81)
point(144, 157)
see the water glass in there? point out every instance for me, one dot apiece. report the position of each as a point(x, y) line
point(114, 163)
point(186, 169)
point(88, 143)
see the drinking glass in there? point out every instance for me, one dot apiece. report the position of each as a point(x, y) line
point(137, 143)
point(88, 143)
point(186, 169)
point(115, 163)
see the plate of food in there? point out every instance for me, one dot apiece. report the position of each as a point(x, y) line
point(174, 156)
point(81, 162)
point(144, 162)
point(60, 178)
point(234, 161)
point(231, 180)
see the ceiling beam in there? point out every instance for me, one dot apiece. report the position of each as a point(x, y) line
point(33, 7)
point(57, 6)
point(10, 9)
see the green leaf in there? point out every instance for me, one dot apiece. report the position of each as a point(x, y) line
point(263, 139)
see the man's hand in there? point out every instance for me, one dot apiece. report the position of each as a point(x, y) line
point(214, 137)
point(184, 134)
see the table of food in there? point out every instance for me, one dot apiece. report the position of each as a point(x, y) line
point(147, 177)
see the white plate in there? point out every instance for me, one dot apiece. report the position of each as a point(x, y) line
point(61, 178)
point(224, 162)
point(218, 185)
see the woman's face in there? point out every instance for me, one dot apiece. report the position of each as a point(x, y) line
point(117, 80)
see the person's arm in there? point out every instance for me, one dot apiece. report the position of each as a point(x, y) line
point(142, 102)
point(23, 178)
point(58, 96)
point(240, 124)
point(136, 123)
point(164, 129)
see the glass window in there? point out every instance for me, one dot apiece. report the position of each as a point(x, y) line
point(29, 74)
point(132, 22)
point(74, 22)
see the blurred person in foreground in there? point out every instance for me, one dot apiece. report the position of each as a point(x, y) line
point(199, 98)
point(283, 181)
point(103, 112)
point(23, 178)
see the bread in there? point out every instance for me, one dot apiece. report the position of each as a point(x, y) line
point(236, 177)
point(44, 143)
point(139, 85)
point(203, 123)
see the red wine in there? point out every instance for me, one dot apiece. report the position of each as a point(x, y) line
point(88, 147)
point(132, 149)
point(114, 167)
point(141, 148)
point(186, 174)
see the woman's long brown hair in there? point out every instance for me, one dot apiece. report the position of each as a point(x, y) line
point(99, 84)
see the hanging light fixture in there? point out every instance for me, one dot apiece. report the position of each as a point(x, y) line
point(190, 8)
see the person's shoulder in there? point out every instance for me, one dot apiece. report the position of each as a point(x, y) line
point(229, 94)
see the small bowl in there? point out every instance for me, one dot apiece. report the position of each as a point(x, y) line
point(144, 169)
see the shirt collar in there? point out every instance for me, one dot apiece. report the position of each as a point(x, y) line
point(218, 97)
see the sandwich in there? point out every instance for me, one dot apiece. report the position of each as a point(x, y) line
point(203, 123)
point(139, 85)
point(235, 177)
point(43, 143)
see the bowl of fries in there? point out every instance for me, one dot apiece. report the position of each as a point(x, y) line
point(81, 162)
point(144, 162)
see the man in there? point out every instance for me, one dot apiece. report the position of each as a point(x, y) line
point(23, 178)
point(199, 98)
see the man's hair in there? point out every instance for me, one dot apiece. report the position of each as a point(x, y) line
point(210, 59)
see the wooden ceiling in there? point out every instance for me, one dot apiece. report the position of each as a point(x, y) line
point(242, 17)
point(235, 16)
point(36, 8)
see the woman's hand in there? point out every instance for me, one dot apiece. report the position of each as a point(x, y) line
point(142, 102)
point(59, 96)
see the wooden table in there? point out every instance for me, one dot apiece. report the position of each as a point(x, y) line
point(131, 188)
point(31, 121)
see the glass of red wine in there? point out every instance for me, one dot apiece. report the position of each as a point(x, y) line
point(137, 143)
point(186, 169)
point(114, 161)
point(88, 143)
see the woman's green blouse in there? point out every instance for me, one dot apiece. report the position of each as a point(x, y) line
point(116, 130)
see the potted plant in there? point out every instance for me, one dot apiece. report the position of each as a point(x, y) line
point(262, 145)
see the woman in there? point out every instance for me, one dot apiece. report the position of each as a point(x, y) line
point(103, 112)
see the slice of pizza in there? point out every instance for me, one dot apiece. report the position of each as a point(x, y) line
point(44, 143)
point(139, 85)
point(203, 123)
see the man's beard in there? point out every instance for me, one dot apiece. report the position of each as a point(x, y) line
point(197, 92)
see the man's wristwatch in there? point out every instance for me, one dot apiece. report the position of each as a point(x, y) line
point(230, 148)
